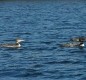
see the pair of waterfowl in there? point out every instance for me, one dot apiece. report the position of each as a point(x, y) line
point(15, 45)
point(77, 42)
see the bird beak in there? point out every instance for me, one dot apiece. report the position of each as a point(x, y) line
point(21, 40)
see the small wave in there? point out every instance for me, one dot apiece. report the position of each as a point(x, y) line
point(29, 73)
point(38, 65)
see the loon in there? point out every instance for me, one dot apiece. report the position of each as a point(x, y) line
point(81, 45)
point(15, 45)
point(79, 39)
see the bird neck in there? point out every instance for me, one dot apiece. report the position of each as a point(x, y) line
point(18, 44)
point(82, 44)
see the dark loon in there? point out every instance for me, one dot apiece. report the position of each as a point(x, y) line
point(79, 39)
point(15, 45)
point(80, 44)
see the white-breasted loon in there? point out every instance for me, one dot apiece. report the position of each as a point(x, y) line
point(80, 44)
point(15, 45)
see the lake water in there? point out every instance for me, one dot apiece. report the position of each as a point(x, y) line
point(43, 25)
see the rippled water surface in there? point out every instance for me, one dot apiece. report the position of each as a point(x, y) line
point(43, 25)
